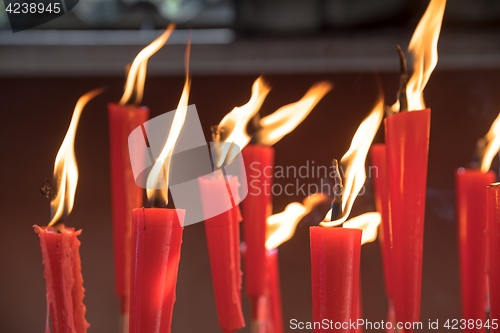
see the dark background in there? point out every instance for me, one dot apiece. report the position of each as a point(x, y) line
point(35, 115)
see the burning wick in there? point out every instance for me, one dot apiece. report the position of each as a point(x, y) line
point(47, 190)
point(403, 81)
point(338, 189)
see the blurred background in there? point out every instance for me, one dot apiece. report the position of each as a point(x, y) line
point(293, 44)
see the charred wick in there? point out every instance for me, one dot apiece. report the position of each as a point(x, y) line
point(338, 189)
point(255, 126)
point(403, 80)
point(48, 190)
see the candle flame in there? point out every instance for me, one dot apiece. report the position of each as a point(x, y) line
point(65, 167)
point(491, 143)
point(281, 226)
point(137, 73)
point(287, 118)
point(423, 48)
point(232, 128)
point(157, 181)
point(353, 162)
point(368, 222)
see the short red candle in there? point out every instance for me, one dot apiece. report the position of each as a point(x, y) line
point(407, 144)
point(223, 241)
point(156, 244)
point(493, 255)
point(125, 194)
point(256, 206)
point(381, 187)
point(335, 260)
point(471, 213)
point(63, 280)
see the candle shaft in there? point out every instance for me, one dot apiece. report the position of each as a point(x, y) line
point(335, 260)
point(156, 244)
point(471, 213)
point(63, 279)
point(125, 194)
point(493, 255)
point(407, 144)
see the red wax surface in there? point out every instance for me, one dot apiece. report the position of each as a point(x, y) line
point(125, 194)
point(381, 186)
point(335, 260)
point(471, 213)
point(156, 244)
point(274, 292)
point(63, 280)
point(223, 240)
point(259, 161)
point(493, 263)
point(407, 144)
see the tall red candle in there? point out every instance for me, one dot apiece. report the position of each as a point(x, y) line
point(64, 281)
point(273, 292)
point(256, 206)
point(381, 187)
point(156, 244)
point(125, 194)
point(471, 217)
point(407, 144)
point(493, 263)
point(335, 260)
point(223, 241)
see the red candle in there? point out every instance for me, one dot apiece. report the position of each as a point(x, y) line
point(156, 244)
point(125, 194)
point(471, 213)
point(259, 162)
point(493, 264)
point(64, 281)
point(380, 183)
point(223, 240)
point(335, 260)
point(407, 142)
point(273, 293)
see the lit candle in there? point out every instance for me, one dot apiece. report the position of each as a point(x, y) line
point(407, 144)
point(493, 265)
point(60, 245)
point(335, 252)
point(259, 164)
point(471, 217)
point(125, 194)
point(157, 238)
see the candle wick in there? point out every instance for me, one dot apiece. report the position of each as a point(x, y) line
point(403, 81)
point(255, 124)
point(48, 190)
point(338, 189)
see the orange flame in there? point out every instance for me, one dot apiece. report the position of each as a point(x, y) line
point(491, 145)
point(281, 226)
point(65, 167)
point(423, 48)
point(157, 181)
point(353, 162)
point(287, 118)
point(137, 73)
point(368, 222)
point(232, 128)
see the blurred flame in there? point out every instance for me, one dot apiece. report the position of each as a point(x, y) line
point(287, 118)
point(491, 142)
point(137, 72)
point(157, 181)
point(281, 226)
point(368, 222)
point(232, 128)
point(65, 167)
point(353, 162)
point(423, 48)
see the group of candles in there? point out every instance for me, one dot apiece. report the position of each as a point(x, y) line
point(147, 241)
